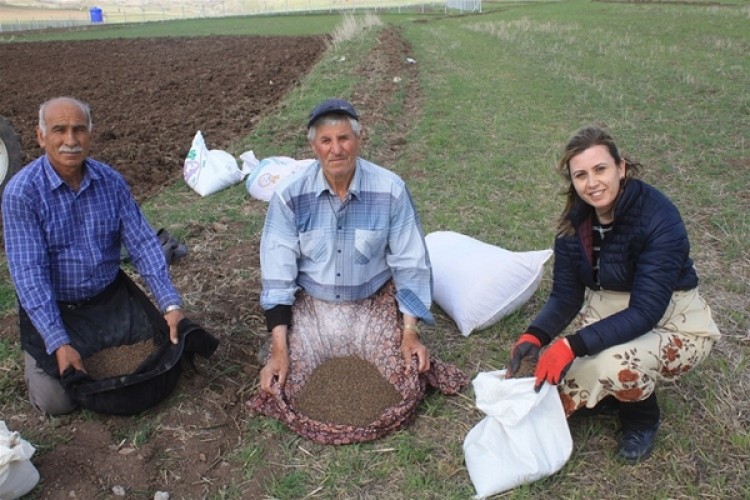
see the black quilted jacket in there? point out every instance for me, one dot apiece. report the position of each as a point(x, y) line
point(647, 253)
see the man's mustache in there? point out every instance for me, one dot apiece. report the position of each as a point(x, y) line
point(66, 149)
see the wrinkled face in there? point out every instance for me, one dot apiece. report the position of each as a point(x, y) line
point(67, 139)
point(336, 147)
point(596, 178)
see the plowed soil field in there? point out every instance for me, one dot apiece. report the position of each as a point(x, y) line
point(150, 96)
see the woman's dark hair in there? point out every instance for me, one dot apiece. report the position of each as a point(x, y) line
point(580, 141)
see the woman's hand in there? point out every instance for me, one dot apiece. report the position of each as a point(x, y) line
point(527, 346)
point(553, 363)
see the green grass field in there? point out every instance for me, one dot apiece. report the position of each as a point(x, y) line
point(501, 92)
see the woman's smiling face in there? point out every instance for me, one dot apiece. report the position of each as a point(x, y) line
point(597, 178)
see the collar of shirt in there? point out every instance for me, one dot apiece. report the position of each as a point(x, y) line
point(55, 181)
point(321, 184)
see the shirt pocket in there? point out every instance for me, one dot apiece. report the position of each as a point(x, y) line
point(313, 245)
point(106, 229)
point(60, 237)
point(368, 245)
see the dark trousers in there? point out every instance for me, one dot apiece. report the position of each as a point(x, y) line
point(640, 414)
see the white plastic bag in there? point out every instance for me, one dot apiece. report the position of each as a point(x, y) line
point(208, 171)
point(523, 438)
point(249, 162)
point(18, 475)
point(478, 284)
point(269, 174)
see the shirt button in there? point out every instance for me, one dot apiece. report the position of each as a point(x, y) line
point(338, 296)
point(339, 251)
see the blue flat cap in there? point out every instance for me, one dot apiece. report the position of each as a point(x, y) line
point(332, 106)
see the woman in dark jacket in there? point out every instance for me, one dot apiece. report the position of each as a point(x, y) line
point(623, 266)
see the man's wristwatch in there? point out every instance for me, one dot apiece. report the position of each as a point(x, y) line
point(173, 307)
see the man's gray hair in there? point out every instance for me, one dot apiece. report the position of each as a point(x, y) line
point(334, 120)
point(43, 110)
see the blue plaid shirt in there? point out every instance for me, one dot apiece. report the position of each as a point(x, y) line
point(345, 251)
point(63, 245)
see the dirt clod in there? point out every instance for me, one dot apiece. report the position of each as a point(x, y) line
point(347, 390)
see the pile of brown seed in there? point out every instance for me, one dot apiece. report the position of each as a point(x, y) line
point(527, 368)
point(346, 390)
point(116, 361)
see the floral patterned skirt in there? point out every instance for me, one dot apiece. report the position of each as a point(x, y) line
point(369, 329)
point(629, 372)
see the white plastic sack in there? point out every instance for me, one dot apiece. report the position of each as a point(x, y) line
point(478, 284)
point(270, 172)
point(249, 162)
point(524, 437)
point(18, 475)
point(208, 171)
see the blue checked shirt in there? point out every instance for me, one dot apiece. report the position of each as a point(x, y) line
point(63, 245)
point(341, 252)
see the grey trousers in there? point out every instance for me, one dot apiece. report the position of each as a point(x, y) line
point(46, 393)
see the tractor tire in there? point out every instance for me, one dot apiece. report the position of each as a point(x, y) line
point(11, 156)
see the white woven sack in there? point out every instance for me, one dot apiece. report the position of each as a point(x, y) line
point(18, 475)
point(209, 171)
point(261, 183)
point(524, 437)
point(478, 284)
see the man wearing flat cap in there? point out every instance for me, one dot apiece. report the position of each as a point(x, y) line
point(342, 233)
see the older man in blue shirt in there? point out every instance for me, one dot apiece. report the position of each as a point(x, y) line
point(65, 217)
point(339, 231)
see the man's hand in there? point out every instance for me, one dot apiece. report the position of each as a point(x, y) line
point(68, 357)
point(277, 366)
point(173, 319)
point(527, 346)
point(554, 363)
point(412, 346)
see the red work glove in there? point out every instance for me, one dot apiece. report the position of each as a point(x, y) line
point(526, 346)
point(553, 363)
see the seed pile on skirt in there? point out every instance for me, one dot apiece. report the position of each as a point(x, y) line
point(346, 390)
point(120, 360)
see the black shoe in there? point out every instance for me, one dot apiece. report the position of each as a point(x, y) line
point(172, 249)
point(637, 443)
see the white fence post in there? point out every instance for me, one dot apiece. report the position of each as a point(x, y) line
point(464, 5)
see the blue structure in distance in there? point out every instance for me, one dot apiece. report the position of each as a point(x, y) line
point(96, 15)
